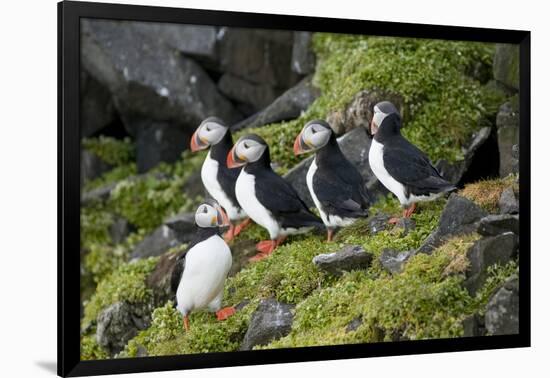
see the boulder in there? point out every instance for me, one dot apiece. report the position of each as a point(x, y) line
point(289, 105)
point(355, 146)
point(508, 135)
point(256, 95)
point(460, 216)
point(159, 142)
point(359, 112)
point(120, 229)
point(303, 57)
point(508, 203)
point(271, 321)
point(493, 225)
point(473, 326)
point(98, 194)
point(502, 314)
point(183, 226)
point(393, 260)
point(378, 223)
point(149, 80)
point(354, 324)
point(514, 162)
point(257, 56)
point(159, 281)
point(506, 65)
point(91, 166)
point(97, 109)
point(351, 257)
point(119, 323)
point(486, 252)
point(155, 244)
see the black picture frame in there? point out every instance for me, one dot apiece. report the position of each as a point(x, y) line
point(69, 14)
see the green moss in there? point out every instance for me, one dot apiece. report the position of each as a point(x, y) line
point(445, 103)
point(90, 349)
point(426, 300)
point(486, 193)
point(112, 151)
point(497, 274)
point(114, 175)
point(126, 283)
point(95, 221)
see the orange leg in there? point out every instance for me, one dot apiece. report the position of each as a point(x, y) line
point(408, 212)
point(225, 313)
point(393, 220)
point(266, 248)
point(241, 226)
point(229, 234)
point(186, 322)
point(330, 234)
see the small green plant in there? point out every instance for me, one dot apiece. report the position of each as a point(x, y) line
point(112, 151)
point(90, 349)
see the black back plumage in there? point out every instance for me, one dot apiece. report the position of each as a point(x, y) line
point(406, 163)
point(227, 177)
point(337, 184)
point(279, 197)
point(200, 235)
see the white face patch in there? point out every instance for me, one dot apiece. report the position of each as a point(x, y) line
point(206, 216)
point(250, 150)
point(212, 132)
point(316, 136)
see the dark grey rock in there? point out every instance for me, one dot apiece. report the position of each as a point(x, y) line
point(508, 203)
point(271, 321)
point(256, 95)
point(286, 107)
point(502, 315)
point(515, 159)
point(358, 113)
point(91, 166)
point(355, 146)
point(454, 172)
point(303, 57)
point(351, 257)
point(393, 260)
point(258, 56)
point(119, 323)
point(149, 80)
point(97, 109)
point(159, 142)
point(406, 225)
point(460, 216)
point(506, 65)
point(183, 226)
point(156, 243)
point(486, 252)
point(119, 230)
point(493, 225)
point(193, 186)
point(473, 326)
point(159, 281)
point(378, 223)
point(354, 324)
point(508, 135)
point(99, 194)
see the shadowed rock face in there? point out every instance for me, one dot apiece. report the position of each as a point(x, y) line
point(352, 257)
point(502, 316)
point(271, 321)
point(155, 244)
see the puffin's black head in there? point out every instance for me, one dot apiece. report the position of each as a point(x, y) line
point(211, 214)
point(381, 111)
point(313, 136)
point(247, 149)
point(209, 132)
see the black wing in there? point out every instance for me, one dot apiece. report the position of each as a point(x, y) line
point(178, 271)
point(341, 189)
point(411, 167)
point(279, 197)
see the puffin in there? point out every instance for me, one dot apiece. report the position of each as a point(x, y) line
point(200, 272)
point(266, 197)
point(336, 187)
point(219, 180)
point(399, 165)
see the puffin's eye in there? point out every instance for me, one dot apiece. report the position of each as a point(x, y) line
point(313, 131)
point(246, 146)
point(205, 210)
point(207, 128)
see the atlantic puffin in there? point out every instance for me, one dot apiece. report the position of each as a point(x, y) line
point(336, 187)
point(200, 272)
point(219, 180)
point(399, 165)
point(266, 197)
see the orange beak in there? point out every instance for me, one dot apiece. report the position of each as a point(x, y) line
point(373, 128)
point(197, 143)
point(233, 162)
point(223, 219)
point(298, 145)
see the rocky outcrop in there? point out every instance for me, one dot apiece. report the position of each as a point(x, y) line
point(493, 225)
point(97, 109)
point(119, 323)
point(91, 166)
point(271, 321)
point(286, 107)
point(506, 65)
point(183, 226)
point(378, 223)
point(460, 216)
point(351, 257)
point(508, 203)
point(486, 252)
point(508, 135)
point(303, 57)
point(155, 244)
point(502, 315)
point(393, 260)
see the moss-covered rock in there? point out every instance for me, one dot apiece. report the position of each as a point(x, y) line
point(487, 193)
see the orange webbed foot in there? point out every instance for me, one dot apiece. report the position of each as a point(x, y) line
point(225, 313)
